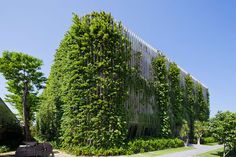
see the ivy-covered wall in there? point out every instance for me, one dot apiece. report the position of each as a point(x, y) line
point(107, 85)
point(159, 95)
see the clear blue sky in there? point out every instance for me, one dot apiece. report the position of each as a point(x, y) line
point(199, 35)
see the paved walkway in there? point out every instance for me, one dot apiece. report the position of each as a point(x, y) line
point(193, 153)
point(57, 153)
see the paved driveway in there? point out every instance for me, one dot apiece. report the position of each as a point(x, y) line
point(192, 153)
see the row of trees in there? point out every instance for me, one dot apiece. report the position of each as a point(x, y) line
point(222, 128)
point(177, 100)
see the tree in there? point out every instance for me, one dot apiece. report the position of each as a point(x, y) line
point(223, 127)
point(24, 80)
point(184, 132)
point(199, 129)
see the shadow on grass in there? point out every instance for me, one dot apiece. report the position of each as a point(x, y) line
point(220, 153)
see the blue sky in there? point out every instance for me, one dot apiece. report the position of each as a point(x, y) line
point(199, 35)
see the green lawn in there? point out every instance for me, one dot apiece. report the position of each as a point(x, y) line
point(160, 152)
point(215, 153)
point(210, 144)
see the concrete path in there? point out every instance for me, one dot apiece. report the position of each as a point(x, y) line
point(199, 149)
point(57, 153)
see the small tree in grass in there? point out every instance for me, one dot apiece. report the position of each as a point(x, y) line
point(184, 133)
point(199, 129)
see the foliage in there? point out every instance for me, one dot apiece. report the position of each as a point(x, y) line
point(207, 107)
point(134, 146)
point(161, 93)
point(49, 113)
point(145, 145)
point(176, 102)
point(4, 149)
point(189, 103)
point(176, 98)
point(92, 73)
point(199, 129)
point(223, 127)
point(91, 67)
point(206, 140)
point(48, 122)
point(202, 108)
point(24, 79)
point(184, 132)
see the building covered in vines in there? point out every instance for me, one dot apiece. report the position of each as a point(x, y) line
point(107, 85)
point(143, 109)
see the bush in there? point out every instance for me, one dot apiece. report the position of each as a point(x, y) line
point(132, 147)
point(4, 149)
point(206, 140)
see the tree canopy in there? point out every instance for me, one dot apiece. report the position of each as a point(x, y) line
point(223, 128)
point(199, 129)
point(24, 79)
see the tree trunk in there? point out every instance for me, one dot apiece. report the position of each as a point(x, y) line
point(26, 112)
point(198, 141)
point(186, 142)
point(224, 151)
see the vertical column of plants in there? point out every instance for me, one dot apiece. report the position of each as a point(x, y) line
point(189, 103)
point(48, 119)
point(201, 113)
point(95, 84)
point(176, 98)
point(161, 93)
point(207, 107)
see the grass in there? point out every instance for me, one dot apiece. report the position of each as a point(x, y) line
point(215, 153)
point(211, 144)
point(160, 152)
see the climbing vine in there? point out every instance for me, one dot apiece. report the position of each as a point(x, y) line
point(176, 98)
point(161, 93)
point(189, 103)
point(94, 87)
point(48, 122)
point(94, 77)
point(202, 111)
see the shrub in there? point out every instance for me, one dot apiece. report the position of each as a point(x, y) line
point(4, 149)
point(132, 147)
point(208, 140)
point(145, 145)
